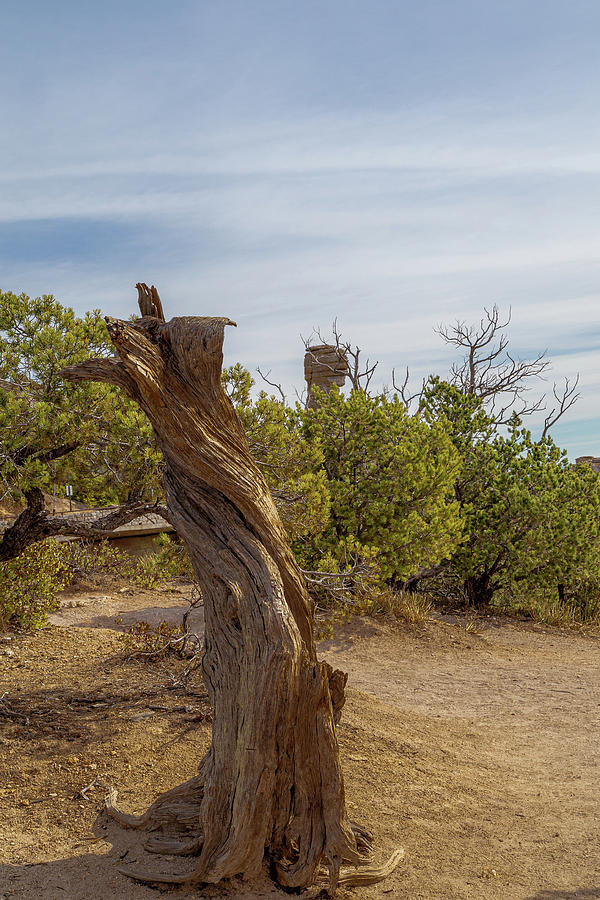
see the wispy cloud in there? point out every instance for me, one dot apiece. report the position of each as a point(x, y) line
point(391, 166)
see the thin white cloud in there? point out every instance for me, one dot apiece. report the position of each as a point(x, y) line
point(392, 222)
point(465, 139)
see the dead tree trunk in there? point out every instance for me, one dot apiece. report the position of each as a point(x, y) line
point(271, 783)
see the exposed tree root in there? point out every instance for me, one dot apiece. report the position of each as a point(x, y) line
point(172, 846)
point(176, 811)
point(176, 814)
point(332, 879)
point(154, 877)
point(368, 874)
point(364, 839)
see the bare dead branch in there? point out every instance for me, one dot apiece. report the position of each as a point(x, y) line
point(403, 392)
point(489, 371)
point(564, 399)
point(272, 384)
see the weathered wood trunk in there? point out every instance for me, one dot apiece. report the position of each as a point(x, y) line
point(271, 782)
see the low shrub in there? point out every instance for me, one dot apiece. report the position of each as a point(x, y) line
point(415, 608)
point(144, 639)
point(152, 640)
point(579, 604)
point(170, 560)
point(89, 560)
point(29, 584)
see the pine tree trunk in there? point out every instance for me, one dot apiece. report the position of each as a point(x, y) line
point(271, 785)
point(478, 590)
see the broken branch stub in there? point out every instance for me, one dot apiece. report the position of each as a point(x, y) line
point(271, 781)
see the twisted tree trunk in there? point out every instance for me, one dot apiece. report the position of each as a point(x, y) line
point(271, 783)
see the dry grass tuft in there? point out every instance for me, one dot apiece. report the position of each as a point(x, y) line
point(413, 608)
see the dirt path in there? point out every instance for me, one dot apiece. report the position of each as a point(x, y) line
point(477, 753)
point(513, 761)
point(124, 606)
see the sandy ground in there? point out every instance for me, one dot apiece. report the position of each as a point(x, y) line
point(478, 753)
point(125, 605)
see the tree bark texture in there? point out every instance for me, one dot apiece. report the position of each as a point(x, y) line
point(271, 784)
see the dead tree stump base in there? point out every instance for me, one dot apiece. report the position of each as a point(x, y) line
point(271, 786)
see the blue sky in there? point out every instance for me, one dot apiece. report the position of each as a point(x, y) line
point(391, 164)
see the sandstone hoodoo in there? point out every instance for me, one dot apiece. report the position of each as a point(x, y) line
point(270, 790)
point(324, 366)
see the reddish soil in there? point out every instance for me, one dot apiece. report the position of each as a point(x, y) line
point(478, 753)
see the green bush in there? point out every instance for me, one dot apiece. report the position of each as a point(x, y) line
point(578, 603)
point(390, 478)
point(152, 640)
point(88, 435)
point(88, 560)
point(29, 584)
point(531, 520)
point(170, 560)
